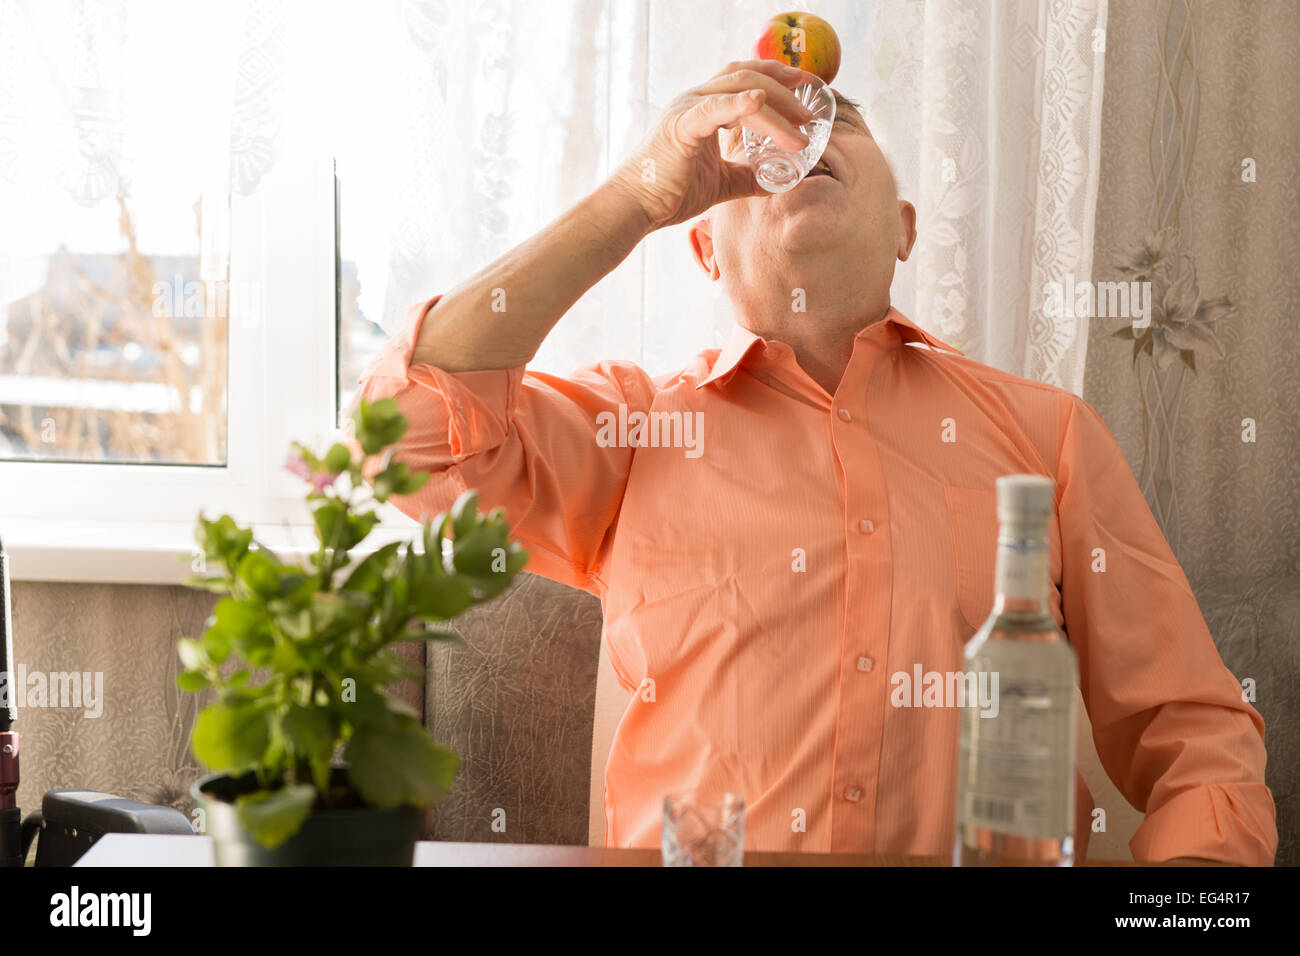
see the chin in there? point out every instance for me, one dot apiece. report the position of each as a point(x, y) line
point(812, 226)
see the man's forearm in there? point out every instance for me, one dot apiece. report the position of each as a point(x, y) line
point(499, 317)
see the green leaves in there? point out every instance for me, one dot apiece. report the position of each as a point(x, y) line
point(192, 681)
point(328, 613)
point(231, 736)
point(260, 572)
point(233, 626)
point(371, 706)
point(464, 513)
point(337, 459)
point(378, 425)
point(327, 635)
point(339, 530)
point(482, 553)
point(222, 540)
point(368, 575)
point(438, 597)
point(272, 816)
point(402, 765)
point(309, 731)
point(395, 478)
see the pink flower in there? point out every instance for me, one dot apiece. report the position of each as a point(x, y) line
point(322, 480)
point(298, 466)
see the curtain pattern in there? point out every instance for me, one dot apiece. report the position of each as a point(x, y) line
point(462, 129)
point(87, 85)
point(990, 121)
point(63, 98)
point(989, 118)
point(1200, 194)
point(256, 110)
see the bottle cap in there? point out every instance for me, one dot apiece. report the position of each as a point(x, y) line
point(1025, 498)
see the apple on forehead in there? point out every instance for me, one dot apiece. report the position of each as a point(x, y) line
point(801, 40)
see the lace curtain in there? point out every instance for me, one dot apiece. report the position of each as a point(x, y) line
point(460, 129)
point(465, 128)
point(104, 97)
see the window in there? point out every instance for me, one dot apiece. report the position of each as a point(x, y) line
point(262, 280)
point(115, 234)
point(360, 336)
point(167, 282)
point(113, 326)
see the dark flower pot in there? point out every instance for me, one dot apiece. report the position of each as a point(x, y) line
point(362, 836)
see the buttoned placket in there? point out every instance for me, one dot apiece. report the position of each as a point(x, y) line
point(864, 625)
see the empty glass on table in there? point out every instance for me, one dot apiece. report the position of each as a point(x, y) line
point(703, 828)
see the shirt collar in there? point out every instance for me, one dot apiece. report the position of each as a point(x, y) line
point(744, 344)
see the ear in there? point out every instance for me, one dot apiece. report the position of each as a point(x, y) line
point(907, 230)
point(702, 246)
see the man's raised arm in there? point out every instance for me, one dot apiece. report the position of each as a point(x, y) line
point(676, 173)
point(527, 441)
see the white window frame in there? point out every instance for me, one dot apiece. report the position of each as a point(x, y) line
point(134, 523)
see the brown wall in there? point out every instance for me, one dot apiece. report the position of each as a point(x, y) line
point(138, 748)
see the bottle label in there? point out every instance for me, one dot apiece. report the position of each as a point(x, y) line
point(1018, 767)
point(1022, 571)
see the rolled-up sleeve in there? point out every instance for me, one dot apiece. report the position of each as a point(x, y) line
point(1171, 726)
point(526, 441)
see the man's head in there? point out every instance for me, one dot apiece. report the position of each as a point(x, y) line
point(851, 221)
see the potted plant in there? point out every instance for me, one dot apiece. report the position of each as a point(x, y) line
point(323, 635)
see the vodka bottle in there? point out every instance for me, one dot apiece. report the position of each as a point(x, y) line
point(1015, 765)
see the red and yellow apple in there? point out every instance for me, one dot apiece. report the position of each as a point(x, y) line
point(801, 40)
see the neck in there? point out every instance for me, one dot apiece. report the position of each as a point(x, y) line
point(814, 297)
point(821, 335)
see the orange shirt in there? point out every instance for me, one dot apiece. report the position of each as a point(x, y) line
point(768, 556)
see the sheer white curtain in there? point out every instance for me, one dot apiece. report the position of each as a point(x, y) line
point(461, 128)
point(464, 128)
point(149, 104)
point(106, 97)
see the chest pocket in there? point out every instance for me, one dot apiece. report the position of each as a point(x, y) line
point(973, 525)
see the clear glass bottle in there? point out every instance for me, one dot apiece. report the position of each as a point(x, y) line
point(1016, 761)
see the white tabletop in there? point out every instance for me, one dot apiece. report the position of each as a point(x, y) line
point(148, 849)
point(153, 849)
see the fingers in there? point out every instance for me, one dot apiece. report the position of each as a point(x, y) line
point(713, 112)
point(741, 182)
point(729, 140)
point(775, 80)
point(787, 75)
point(768, 121)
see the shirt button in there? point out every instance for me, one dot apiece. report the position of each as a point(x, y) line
point(845, 416)
point(866, 526)
point(852, 793)
point(864, 664)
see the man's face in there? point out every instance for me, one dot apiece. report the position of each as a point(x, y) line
point(854, 213)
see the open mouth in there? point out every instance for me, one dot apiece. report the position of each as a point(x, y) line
point(821, 169)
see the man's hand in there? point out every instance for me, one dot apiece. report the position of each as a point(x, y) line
point(678, 171)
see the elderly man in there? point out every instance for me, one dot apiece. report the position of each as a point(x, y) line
point(827, 518)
